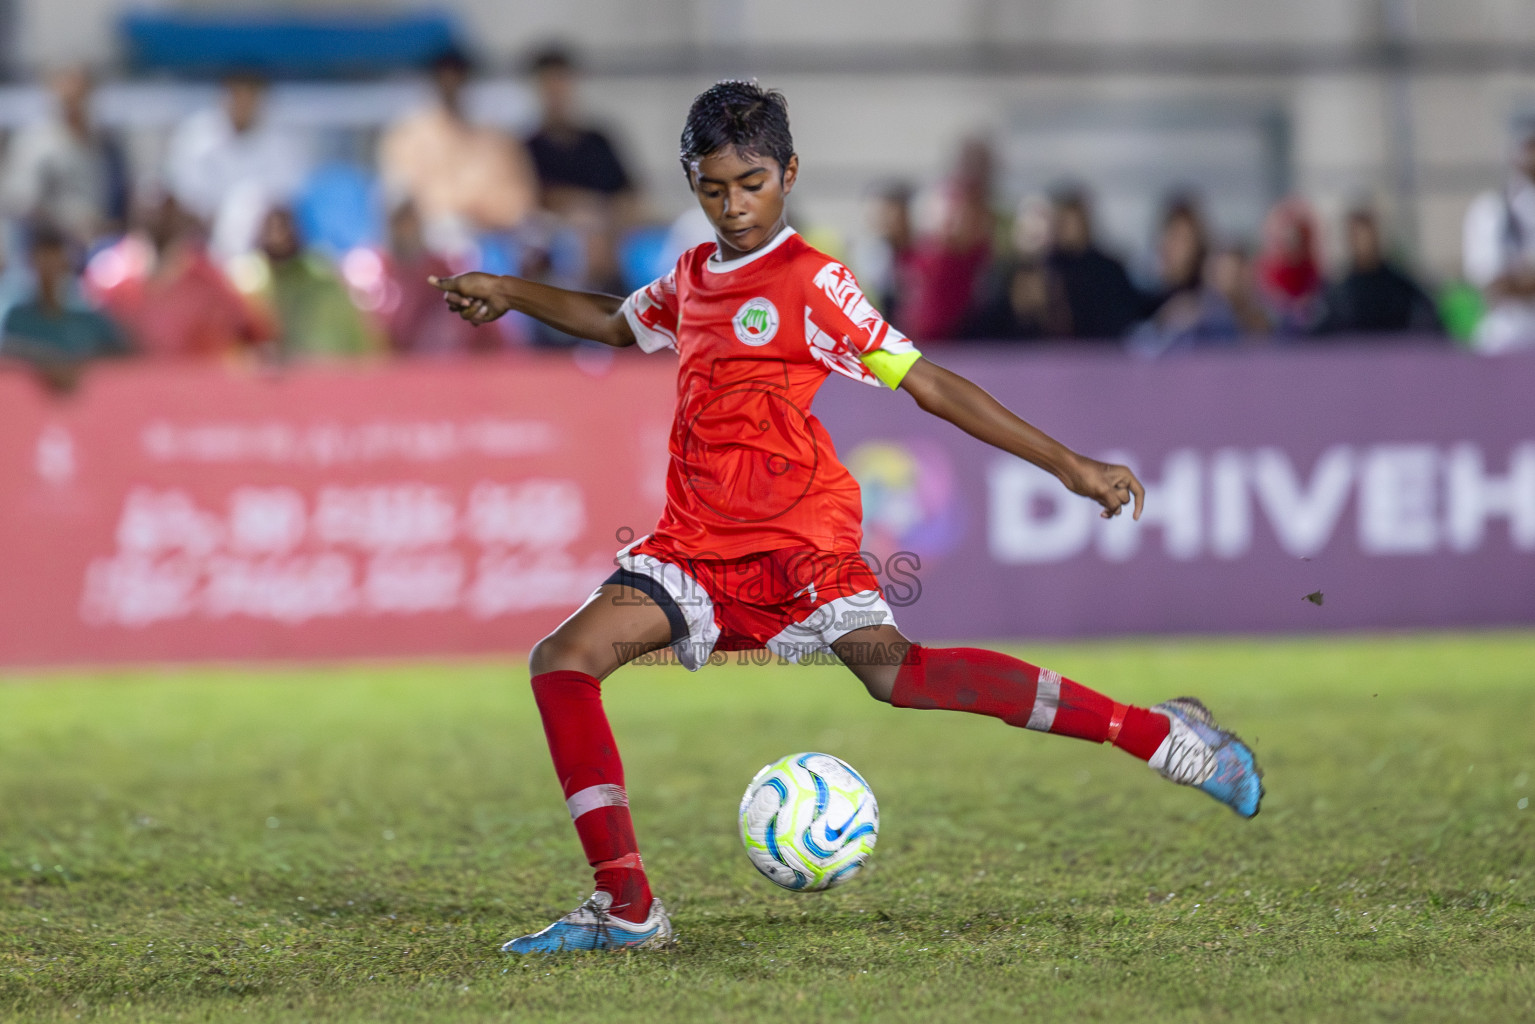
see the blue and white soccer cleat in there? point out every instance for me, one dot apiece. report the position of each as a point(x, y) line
point(1199, 753)
point(591, 927)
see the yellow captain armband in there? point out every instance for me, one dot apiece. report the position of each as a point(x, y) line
point(890, 367)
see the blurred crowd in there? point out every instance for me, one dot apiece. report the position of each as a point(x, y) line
point(946, 266)
point(245, 246)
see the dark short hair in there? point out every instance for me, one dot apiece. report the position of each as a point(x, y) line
point(1182, 206)
point(1071, 195)
point(553, 57)
point(246, 75)
point(42, 234)
point(740, 114)
point(451, 58)
point(1362, 213)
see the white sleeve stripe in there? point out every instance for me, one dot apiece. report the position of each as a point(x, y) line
point(840, 358)
point(896, 342)
point(649, 339)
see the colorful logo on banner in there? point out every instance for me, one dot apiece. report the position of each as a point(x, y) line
point(910, 498)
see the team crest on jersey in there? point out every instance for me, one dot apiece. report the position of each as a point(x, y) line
point(756, 321)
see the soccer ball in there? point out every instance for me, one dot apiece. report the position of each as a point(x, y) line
point(809, 822)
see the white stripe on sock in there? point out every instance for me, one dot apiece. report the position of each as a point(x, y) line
point(1047, 697)
point(593, 797)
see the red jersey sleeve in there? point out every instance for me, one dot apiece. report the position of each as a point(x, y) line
point(652, 313)
point(846, 333)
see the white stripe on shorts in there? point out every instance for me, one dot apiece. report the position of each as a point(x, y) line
point(689, 595)
point(830, 622)
point(593, 797)
point(1047, 697)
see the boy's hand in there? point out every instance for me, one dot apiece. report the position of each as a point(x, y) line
point(475, 296)
point(1109, 485)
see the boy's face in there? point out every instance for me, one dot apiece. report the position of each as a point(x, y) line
point(743, 195)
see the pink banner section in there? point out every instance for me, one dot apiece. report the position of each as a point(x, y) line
point(179, 514)
point(171, 514)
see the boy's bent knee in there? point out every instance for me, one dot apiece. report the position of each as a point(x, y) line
point(879, 684)
point(555, 654)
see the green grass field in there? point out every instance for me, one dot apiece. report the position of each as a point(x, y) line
point(353, 843)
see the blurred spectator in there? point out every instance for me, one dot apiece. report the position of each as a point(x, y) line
point(228, 165)
point(576, 163)
point(1289, 268)
point(1229, 276)
point(1023, 301)
point(65, 170)
point(1032, 221)
point(1499, 253)
point(947, 262)
point(1224, 311)
point(46, 330)
point(581, 178)
point(415, 320)
point(1374, 297)
point(1182, 248)
point(882, 256)
point(1020, 298)
point(463, 178)
point(315, 314)
point(1103, 304)
point(160, 285)
point(14, 285)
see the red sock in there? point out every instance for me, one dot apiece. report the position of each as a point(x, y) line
point(592, 776)
point(988, 683)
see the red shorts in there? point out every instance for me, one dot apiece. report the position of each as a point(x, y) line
point(793, 601)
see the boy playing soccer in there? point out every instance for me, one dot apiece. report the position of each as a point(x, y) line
point(759, 542)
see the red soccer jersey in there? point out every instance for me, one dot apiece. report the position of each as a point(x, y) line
point(751, 469)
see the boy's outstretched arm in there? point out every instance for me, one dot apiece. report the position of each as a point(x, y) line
point(481, 298)
point(949, 396)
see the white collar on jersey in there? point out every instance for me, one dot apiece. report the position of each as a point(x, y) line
point(720, 266)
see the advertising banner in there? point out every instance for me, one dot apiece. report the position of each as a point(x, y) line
point(174, 513)
point(1299, 489)
point(185, 513)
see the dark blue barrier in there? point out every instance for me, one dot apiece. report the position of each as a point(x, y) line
point(283, 45)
